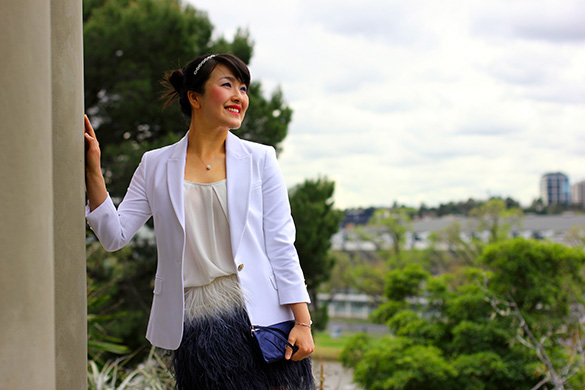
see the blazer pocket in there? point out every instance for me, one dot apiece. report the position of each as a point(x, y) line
point(158, 283)
point(273, 281)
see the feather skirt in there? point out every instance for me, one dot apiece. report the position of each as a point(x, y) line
point(218, 351)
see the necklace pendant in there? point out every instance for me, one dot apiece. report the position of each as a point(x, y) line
point(208, 167)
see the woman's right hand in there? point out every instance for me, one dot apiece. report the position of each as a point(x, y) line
point(92, 149)
point(94, 181)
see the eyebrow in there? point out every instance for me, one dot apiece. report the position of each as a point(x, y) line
point(229, 78)
point(232, 79)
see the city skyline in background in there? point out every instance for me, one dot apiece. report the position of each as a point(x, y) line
point(422, 102)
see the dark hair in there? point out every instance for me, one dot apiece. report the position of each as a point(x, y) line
point(180, 81)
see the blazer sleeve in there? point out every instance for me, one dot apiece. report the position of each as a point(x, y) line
point(279, 233)
point(115, 228)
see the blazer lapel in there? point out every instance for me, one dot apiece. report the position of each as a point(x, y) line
point(239, 180)
point(175, 177)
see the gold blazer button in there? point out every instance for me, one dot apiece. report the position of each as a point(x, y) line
point(240, 267)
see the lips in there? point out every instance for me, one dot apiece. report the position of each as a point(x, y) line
point(234, 109)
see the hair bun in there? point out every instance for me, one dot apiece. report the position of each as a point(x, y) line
point(177, 80)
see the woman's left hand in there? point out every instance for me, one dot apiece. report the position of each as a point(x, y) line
point(301, 337)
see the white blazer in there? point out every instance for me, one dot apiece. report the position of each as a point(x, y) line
point(261, 228)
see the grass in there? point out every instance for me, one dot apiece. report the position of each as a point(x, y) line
point(328, 348)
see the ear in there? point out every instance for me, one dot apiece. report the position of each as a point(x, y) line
point(193, 96)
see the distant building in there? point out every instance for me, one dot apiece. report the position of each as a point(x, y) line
point(554, 188)
point(578, 193)
point(355, 217)
point(348, 305)
point(553, 228)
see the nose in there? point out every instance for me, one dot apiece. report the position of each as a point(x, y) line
point(238, 95)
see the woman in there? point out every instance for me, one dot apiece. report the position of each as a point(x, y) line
point(224, 233)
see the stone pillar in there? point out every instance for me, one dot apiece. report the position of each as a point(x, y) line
point(27, 321)
point(68, 194)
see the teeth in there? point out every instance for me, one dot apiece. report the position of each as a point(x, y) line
point(233, 110)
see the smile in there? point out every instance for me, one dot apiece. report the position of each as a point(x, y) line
point(233, 110)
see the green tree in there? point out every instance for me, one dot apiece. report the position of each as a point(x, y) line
point(340, 278)
point(129, 45)
point(397, 363)
point(576, 236)
point(539, 286)
point(119, 296)
point(449, 249)
point(397, 222)
point(495, 217)
point(356, 273)
point(368, 277)
point(512, 323)
point(316, 221)
point(102, 305)
point(457, 208)
point(441, 334)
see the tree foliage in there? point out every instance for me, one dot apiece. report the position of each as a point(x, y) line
point(511, 322)
point(497, 218)
point(453, 247)
point(316, 221)
point(397, 222)
point(398, 363)
point(576, 236)
point(460, 207)
point(540, 287)
point(450, 248)
point(120, 292)
point(357, 274)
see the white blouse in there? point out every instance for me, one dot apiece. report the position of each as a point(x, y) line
point(208, 249)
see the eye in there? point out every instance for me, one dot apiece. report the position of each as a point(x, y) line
point(227, 84)
point(244, 89)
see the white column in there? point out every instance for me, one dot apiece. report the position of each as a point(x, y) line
point(68, 194)
point(27, 330)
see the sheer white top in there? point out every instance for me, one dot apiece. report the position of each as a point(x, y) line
point(208, 249)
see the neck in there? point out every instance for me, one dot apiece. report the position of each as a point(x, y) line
point(206, 141)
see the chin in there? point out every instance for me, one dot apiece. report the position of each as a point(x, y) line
point(235, 126)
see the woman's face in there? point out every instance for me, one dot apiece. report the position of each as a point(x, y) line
point(225, 100)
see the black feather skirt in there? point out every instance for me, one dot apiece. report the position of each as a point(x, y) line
point(218, 352)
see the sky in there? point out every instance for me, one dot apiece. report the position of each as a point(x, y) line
point(421, 101)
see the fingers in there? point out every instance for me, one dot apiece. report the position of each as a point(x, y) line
point(303, 340)
point(92, 148)
point(89, 135)
point(302, 353)
point(88, 128)
point(288, 352)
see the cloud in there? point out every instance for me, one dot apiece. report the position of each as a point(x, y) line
point(523, 70)
point(423, 100)
point(577, 149)
point(560, 93)
point(545, 20)
point(488, 128)
point(391, 22)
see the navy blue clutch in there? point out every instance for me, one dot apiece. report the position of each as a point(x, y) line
point(273, 340)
